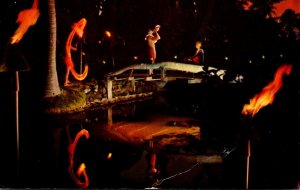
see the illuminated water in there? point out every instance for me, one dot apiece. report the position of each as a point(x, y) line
point(183, 160)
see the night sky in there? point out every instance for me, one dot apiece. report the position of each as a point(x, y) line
point(234, 34)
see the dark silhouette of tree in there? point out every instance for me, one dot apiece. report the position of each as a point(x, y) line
point(290, 25)
point(289, 33)
point(264, 7)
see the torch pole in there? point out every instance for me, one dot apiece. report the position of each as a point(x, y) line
point(248, 163)
point(248, 123)
point(17, 87)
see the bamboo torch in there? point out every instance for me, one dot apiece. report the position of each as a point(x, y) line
point(264, 98)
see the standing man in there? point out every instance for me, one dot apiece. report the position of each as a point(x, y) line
point(152, 37)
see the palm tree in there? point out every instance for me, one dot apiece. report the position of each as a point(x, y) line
point(52, 88)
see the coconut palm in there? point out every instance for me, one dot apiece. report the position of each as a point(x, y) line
point(52, 85)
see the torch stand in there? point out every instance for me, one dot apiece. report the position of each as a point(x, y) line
point(13, 61)
point(17, 88)
point(248, 124)
point(248, 163)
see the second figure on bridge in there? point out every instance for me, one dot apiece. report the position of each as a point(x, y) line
point(198, 57)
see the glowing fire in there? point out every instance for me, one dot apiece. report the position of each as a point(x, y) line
point(81, 169)
point(109, 156)
point(26, 18)
point(247, 5)
point(108, 34)
point(266, 96)
point(78, 29)
point(279, 7)
point(284, 5)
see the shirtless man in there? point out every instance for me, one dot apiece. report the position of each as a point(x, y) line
point(152, 37)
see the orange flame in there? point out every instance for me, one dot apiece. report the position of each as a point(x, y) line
point(247, 5)
point(266, 96)
point(26, 18)
point(108, 34)
point(81, 169)
point(109, 156)
point(78, 29)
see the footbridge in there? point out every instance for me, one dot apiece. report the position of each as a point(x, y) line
point(164, 72)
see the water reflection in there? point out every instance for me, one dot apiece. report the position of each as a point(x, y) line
point(161, 142)
point(81, 170)
point(132, 146)
point(129, 148)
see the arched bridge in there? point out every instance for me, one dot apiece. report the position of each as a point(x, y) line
point(164, 71)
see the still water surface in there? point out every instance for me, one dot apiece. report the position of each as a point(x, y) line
point(191, 136)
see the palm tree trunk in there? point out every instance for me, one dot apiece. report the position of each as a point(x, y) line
point(52, 86)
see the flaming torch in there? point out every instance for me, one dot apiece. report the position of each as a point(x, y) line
point(26, 18)
point(13, 61)
point(262, 99)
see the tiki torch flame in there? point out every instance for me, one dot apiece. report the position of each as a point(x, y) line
point(266, 96)
point(26, 18)
point(263, 98)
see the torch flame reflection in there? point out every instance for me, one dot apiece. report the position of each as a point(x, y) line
point(266, 96)
point(81, 169)
point(26, 18)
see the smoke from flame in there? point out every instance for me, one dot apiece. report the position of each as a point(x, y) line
point(266, 96)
